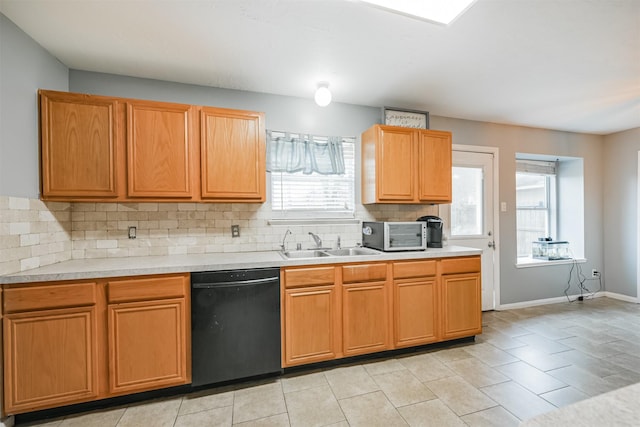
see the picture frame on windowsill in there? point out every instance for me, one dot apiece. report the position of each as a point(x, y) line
point(406, 118)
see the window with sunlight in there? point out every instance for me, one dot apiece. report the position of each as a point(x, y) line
point(309, 194)
point(535, 203)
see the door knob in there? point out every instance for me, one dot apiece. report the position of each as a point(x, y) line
point(492, 244)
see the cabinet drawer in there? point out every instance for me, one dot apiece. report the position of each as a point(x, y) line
point(460, 265)
point(49, 296)
point(148, 288)
point(404, 270)
point(309, 276)
point(364, 273)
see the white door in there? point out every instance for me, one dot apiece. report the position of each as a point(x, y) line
point(471, 215)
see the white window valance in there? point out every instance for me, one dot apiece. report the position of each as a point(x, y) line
point(290, 152)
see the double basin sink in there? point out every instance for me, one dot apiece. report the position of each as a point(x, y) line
point(316, 253)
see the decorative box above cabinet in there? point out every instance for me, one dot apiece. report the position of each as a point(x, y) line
point(406, 165)
point(78, 146)
point(96, 148)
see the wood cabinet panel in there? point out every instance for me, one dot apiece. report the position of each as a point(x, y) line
point(462, 307)
point(147, 345)
point(416, 312)
point(78, 146)
point(233, 155)
point(434, 165)
point(159, 150)
point(364, 273)
point(311, 325)
point(50, 358)
point(405, 270)
point(149, 288)
point(460, 265)
point(46, 296)
point(309, 276)
point(366, 320)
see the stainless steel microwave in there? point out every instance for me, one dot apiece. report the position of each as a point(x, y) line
point(395, 236)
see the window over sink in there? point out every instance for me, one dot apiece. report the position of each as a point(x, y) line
point(312, 177)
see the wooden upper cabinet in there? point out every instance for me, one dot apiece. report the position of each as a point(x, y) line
point(434, 158)
point(78, 146)
point(405, 165)
point(159, 150)
point(233, 152)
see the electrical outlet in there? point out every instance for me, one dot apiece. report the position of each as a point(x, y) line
point(595, 273)
point(235, 231)
point(132, 232)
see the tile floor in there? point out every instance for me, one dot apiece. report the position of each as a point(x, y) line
point(526, 362)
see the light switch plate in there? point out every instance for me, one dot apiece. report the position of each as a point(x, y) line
point(503, 206)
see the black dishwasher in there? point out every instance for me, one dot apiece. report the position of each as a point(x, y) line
point(235, 324)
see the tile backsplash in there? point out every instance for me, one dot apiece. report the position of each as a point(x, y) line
point(36, 233)
point(33, 233)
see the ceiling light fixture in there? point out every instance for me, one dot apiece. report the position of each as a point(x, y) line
point(438, 11)
point(323, 94)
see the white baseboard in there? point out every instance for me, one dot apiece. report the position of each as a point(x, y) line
point(556, 300)
point(621, 297)
point(8, 422)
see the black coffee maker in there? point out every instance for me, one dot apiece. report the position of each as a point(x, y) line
point(434, 230)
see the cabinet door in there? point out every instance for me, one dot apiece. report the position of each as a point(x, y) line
point(365, 318)
point(50, 358)
point(159, 150)
point(461, 301)
point(78, 146)
point(396, 164)
point(233, 155)
point(434, 162)
point(415, 311)
point(147, 345)
point(311, 325)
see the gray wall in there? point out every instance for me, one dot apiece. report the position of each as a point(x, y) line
point(25, 67)
point(533, 283)
point(281, 112)
point(621, 211)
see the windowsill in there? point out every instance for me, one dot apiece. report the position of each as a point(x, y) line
point(314, 221)
point(531, 262)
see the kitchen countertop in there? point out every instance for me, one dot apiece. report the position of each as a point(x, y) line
point(138, 266)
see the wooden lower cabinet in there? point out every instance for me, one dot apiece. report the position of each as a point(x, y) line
point(461, 297)
point(342, 310)
point(462, 314)
point(311, 324)
point(416, 303)
point(365, 313)
point(77, 341)
point(416, 311)
point(51, 345)
point(50, 358)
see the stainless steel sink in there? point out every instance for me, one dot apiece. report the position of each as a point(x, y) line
point(304, 254)
point(315, 253)
point(352, 252)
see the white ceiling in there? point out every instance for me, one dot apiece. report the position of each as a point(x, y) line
point(560, 64)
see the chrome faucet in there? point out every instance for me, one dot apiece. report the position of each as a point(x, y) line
point(286, 233)
point(317, 239)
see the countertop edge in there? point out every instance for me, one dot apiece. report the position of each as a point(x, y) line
point(140, 266)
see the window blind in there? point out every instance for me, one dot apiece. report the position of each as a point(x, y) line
point(540, 167)
point(299, 195)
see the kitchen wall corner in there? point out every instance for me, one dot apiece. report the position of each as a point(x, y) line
point(33, 233)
